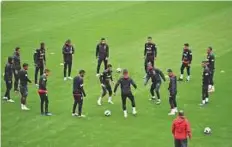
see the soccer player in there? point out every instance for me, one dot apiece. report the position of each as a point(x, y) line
point(40, 61)
point(186, 62)
point(205, 83)
point(150, 52)
point(102, 54)
point(43, 93)
point(125, 82)
point(211, 63)
point(78, 93)
point(155, 74)
point(16, 68)
point(181, 130)
point(172, 92)
point(8, 75)
point(68, 51)
point(105, 79)
point(23, 77)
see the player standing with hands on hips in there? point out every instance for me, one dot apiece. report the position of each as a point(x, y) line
point(102, 54)
point(125, 82)
point(68, 51)
point(181, 130)
point(78, 93)
point(172, 92)
point(40, 61)
point(186, 62)
point(43, 93)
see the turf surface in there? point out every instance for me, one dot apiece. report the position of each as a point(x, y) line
point(126, 26)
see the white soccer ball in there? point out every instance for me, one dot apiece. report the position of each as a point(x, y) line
point(118, 70)
point(207, 130)
point(107, 113)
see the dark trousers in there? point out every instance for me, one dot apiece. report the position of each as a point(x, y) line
point(105, 89)
point(183, 66)
point(205, 93)
point(67, 65)
point(78, 100)
point(38, 68)
point(8, 88)
point(155, 87)
point(16, 79)
point(43, 102)
point(124, 97)
point(172, 101)
point(181, 142)
point(24, 93)
point(147, 60)
point(100, 62)
point(211, 82)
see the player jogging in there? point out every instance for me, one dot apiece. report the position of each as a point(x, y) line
point(211, 66)
point(23, 77)
point(155, 74)
point(43, 93)
point(205, 83)
point(16, 68)
point(68, 51)
point(105, 79)
point(39, 61)
point(150, 53)
point(172, 92)
point(125, 82)
point(186, 62)
point(8, 75)
point(102, 54)
point(78, 93)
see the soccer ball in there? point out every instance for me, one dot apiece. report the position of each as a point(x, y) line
point(207, 130)
point(107, 113)
point(118, 70)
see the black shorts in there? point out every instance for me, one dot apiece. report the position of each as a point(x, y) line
point(24, 91)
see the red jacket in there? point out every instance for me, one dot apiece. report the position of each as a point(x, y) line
point(181, 128)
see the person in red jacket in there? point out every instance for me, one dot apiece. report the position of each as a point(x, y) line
point(181, 130)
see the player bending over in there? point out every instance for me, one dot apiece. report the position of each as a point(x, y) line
point(125, 82)
point(78, 93)
point(43, 93)
point(172, 92)
point(155, 74)
point(186, 62)
point(105, 79)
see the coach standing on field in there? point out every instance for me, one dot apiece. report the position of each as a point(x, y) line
point(181, 130)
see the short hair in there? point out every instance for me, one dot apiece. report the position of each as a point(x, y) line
point(149, 37)
point(25, 64)
point(10, 59)
point(186, 44)
point(125, 71)
point(82, 71)
point(169, 70)
point(42, 43)
point(103, 39)
point(210, 48)
point(181, 113)
point(109, 65)
point(46, 70)
point(17, 48)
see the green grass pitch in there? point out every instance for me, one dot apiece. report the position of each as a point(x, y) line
point(126, 26)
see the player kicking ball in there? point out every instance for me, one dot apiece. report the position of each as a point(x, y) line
point(155, 75)
point(125, 82)
point(105, 79)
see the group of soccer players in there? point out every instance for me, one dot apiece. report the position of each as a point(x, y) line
point(21, 78)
